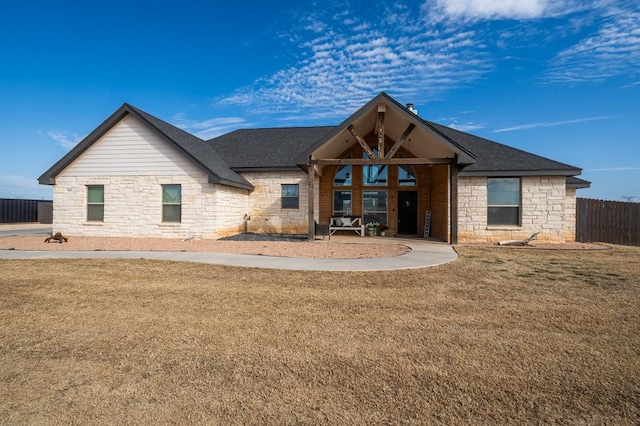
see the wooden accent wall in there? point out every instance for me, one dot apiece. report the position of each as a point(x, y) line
point(433, 194)
point(440, 202)
point(424, 194)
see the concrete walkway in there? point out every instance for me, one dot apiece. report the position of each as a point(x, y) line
point(424, 253)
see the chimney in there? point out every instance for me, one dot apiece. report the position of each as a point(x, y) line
point(410, 108)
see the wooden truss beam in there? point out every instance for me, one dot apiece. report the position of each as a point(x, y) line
point(382, 108)
point(363, 144)
point(381, 161)
point(396, 146)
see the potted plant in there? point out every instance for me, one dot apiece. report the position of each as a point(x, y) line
point(382, 229)
point(373, 229)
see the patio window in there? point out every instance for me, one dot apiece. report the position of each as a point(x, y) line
point(406, 176)
point(374, 207)
point(374, 175)
point(343, 176)
point(95, 203)
point(342, 203)
point(290, 196)
point(503, 201)
point(171, 203)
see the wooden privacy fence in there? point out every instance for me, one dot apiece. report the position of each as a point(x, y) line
point(19, 211)
point(608, 222)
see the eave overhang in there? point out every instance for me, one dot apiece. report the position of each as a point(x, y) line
point(515, 173)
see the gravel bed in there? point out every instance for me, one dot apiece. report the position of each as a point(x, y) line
point(266, 237)
point(294, 246)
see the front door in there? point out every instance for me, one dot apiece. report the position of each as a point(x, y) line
point(408, 212)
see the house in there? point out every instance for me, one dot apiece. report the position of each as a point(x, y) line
point(138, 176)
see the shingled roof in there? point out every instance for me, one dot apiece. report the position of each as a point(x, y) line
point(255, 149)
point(288, 148)
point(496, 159)
point(222, 158)
point(271, 148)
point(191, 146)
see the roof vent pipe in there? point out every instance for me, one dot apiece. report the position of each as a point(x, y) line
point(410, 108)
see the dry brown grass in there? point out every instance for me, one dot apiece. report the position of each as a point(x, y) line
point(499, 336)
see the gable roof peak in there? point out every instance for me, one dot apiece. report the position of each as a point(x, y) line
point(463, 155)
point(194, 148)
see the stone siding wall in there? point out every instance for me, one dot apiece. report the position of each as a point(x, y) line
point(570, 215)
point(133, 207)
point(547, 207)
point(232, 204)
point(265, 203)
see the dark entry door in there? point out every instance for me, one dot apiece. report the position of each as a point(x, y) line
point(407, 212)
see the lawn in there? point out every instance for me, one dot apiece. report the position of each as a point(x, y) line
point(500, 336)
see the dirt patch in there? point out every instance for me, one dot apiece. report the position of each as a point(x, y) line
point(318, 249)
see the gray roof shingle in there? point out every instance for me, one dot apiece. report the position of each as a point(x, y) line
point(278, 148)
point(493, 158)
point(286, 148)
point(270, 148)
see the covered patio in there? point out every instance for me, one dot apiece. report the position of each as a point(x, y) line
point(385, 164)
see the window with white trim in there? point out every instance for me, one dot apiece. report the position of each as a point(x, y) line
point(172, 203)
point(95, 203)
point(503, 201)
point(374, 207)
point(342, 203)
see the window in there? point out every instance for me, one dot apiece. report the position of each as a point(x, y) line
point(290, 196)
point(406, 176)
point(171, 203)
point(374, 175)
point(342, 203)
point(343, 176)
point(503, 201)
point(374, 206)
point(95, 203)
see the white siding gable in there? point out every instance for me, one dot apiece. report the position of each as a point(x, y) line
point(130, 148)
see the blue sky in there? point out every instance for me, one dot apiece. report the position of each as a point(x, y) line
point(559, 78)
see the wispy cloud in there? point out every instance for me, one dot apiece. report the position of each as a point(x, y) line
point(350, 60)
point(209, 128)
point(419, 50)
point(466, 127)
point(482, 9)
point(66, 139)
point(631, 85)
point(613, 169)
point(473, 10)
point(612, 50)
point(554, 123)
